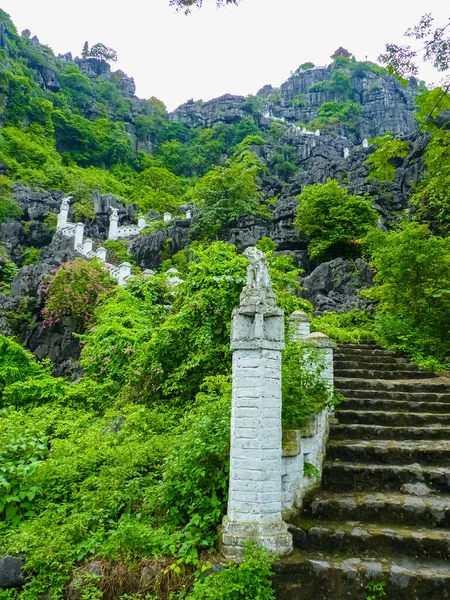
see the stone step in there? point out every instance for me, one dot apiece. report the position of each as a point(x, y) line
point(389, 394)
point(361, 346)
point(319, 576)
point(392, 419)
point(342, 365)
point(369, 359)
point(404, 509)
point(399, 406)
point(363, 539)
point(340, 476)
point(358, 351)
point(382, 374)
point(376, 432)
point(390, 452)
point(439, 385)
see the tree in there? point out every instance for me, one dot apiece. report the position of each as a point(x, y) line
point(225, 193)
point(333, 220)
point(102, 52)
point(434, 43)
point(413, 292)
point(85, 51)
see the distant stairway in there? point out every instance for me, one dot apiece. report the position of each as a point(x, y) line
point(383, 513)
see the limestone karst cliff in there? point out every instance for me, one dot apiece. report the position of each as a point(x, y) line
point(85, 134)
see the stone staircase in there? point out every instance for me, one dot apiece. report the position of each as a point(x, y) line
point(383, 513)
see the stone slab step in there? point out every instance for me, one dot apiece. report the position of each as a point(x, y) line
point(376, 432)
point(429, 511)
point(392, 419)
point(389, 394)
point(383, 374)
point(360, 346)
point(384, 365)
point(359, 351)
point(319, 576)
point(370, 360)
point(363, 538)
point(398, 406)
point(341, 476)
point(439, 385)
point(391, 452)
point(380, 355)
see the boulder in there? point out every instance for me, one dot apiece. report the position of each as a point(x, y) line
point(11, 571)
point(147, 248)
point(334, 285)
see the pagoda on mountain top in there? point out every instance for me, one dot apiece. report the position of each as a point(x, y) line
point(341, 52)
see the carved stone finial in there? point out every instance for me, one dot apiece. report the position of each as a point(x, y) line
point(114, 214)
point(258, 290)
point(66, 203)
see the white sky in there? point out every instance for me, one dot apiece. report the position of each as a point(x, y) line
point(212, 52)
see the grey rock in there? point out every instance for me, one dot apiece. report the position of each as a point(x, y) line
point(11, 571)
point(443, 120)
point(147, 248)
point(248, 231)
point(416, 489)
point(3, 36)
point(334, 285)
point(115, 426)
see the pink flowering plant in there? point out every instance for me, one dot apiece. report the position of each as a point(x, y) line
point(74, 290)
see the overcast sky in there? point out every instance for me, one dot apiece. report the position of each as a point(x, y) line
point(216, 51)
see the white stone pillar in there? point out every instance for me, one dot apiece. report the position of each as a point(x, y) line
point(142, 223)
point(101, 254)
point(63, 214)
point(300, 325)
point(124, 273)
point(318, 132)
point(325, 348)
point(257, 339)
point(346, 152)
point(188, 214)
point(87, 246)
point(167, 217)
point(79, 234)
point(114, 225)
point(365, 143)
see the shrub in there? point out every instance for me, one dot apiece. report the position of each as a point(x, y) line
point(30, 256)
point(304, 391)
point(73, 290)
point(249, 579)
point(333, 220)
point(21, 453)
point(346, 327)
point(413, 277)
point(9, 209)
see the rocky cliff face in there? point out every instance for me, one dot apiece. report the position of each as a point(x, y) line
point(386, 105)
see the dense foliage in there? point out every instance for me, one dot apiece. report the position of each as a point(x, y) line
point(413, 276)
point(333, 220)
point(129, 462)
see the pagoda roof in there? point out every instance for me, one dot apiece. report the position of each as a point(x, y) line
point(341, 52)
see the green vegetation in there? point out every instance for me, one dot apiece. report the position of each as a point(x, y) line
point(132, 461)
point(413, 276)
point(333, 220)
point(382, 161)
point(333, 116)
point(350, 327)
point(250, 579)
point(129, 463)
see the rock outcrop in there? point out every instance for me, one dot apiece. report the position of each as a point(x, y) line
point(334, 286)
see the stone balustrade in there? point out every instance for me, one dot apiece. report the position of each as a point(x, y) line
point(267, 468)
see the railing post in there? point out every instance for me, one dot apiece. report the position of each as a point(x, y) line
point(257, 339)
